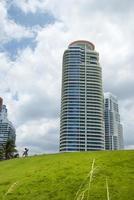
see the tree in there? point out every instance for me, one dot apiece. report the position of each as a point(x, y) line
point(8, 150)
point(1, 154)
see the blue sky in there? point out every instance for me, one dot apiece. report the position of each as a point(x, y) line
point(39, 18)
point(13, 47)
point(29, 20)
point(33, 37)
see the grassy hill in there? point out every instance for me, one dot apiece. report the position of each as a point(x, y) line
point(69, 176)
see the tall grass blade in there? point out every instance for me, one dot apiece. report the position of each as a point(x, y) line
point(91, 177)
point(11, 189)
point(80, 195)
point(108, 196)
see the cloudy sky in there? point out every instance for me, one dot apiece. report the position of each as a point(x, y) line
point(33, 37)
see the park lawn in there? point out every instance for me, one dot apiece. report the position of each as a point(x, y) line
point(68, 176)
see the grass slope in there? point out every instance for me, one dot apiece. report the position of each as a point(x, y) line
point(61, 176)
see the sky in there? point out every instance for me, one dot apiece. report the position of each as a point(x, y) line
point(33, 37)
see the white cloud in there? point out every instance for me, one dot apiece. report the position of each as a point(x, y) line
point(130, 147)
point(36, 74)
point(36, 136)
point(9, 29)
point(30, 6)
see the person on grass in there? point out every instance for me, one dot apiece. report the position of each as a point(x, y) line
point(25, 153)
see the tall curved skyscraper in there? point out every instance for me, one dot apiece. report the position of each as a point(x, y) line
point(82, 110)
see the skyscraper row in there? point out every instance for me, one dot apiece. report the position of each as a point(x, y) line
point(7, 130)
point(82, 126)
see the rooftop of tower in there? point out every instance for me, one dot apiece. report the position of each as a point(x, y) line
point(109, 95)
point(83, 42)
point(1, 101)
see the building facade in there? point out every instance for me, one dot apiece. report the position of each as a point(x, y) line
point(113, 127)
point(82, 103)
point(7, 130)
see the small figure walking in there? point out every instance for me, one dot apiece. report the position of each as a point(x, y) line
point(25, 153)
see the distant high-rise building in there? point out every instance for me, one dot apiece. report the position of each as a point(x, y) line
point(82, 104)
point(7, 131)
point(113, 127)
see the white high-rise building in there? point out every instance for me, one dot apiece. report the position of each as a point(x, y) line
point(113, 127)
point(82, 104)
point(7, 130)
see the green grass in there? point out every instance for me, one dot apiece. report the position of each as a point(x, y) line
point(61, 176)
